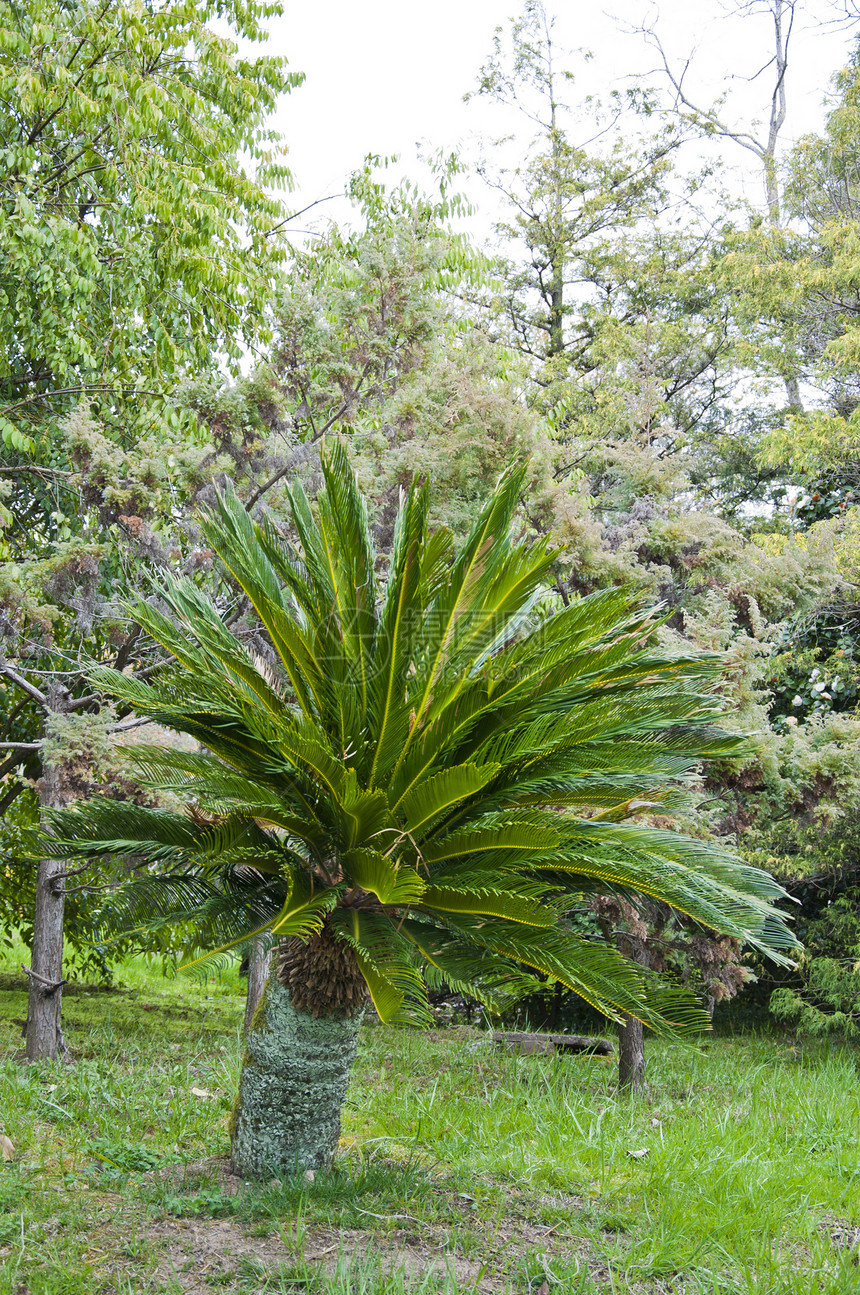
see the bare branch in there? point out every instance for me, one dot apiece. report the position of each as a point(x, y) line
point(295, 215)
point(301, 452)
point(34, 467)
point(80, 703)
point(10, 763)
point(11, 795)
point(127, 647)
point(82, 389)
point(711, 121)
point(130, 723)
point(34, 692)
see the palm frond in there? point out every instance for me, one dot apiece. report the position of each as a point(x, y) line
point(435, 773)
point(390, 882)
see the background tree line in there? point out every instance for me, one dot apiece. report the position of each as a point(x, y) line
point(679, 369)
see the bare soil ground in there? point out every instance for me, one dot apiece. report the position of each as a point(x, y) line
point(194, 1254)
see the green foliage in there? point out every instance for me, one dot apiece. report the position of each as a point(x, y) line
point(796, 291)
point(829, 1002)
point(607, 344)
point(425, 766)
point(134, 240)
point(623, 307)
point(606, 280)
point(660, 353)
point(818, 855)
point(815, 670)
point(138, 243)
point(370, 338)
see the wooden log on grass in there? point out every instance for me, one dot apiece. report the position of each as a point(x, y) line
point(546, 1043)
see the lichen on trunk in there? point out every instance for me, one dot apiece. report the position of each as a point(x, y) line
point(300, 1048)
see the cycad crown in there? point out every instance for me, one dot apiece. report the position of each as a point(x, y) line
point(437, 773)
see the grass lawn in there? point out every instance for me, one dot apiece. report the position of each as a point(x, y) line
point(462, 1168)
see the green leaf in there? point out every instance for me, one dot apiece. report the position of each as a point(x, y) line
point(376, 873)
point(505, 834)
point(426, 801)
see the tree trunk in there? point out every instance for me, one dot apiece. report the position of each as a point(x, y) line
point(299, 1052)
point(259, 959)
point(631, 1055)
point(556, 313)
point(44, 1032)
point(631, 1033)
point(557, 991)
point(792, 388)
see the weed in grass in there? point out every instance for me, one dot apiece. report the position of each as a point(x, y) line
point(213, 1205)
point(123, 1156)
point(535, 1271)
point(224, 1278)
point(295, 1232)
point(135, 1247)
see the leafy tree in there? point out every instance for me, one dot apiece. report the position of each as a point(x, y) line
point(820, 864)
point(609, 279)
point(570, 202)
point(629, 309)
point(369, 337)
point(798, 292)
point(427, 778)
point(134, 242)
point(795, 295)
point(138, 242)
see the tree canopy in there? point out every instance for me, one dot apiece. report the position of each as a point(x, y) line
point(138, 231)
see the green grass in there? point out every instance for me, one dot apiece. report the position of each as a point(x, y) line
point(463, 1168)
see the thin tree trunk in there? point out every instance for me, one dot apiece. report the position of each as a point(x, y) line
point(631, 1055)
point(778, 105)
point(44, 1031)
point(556, 313)
point(556, 1003)
point(259, 959)
point(792, 388)
point(631, 1033)
point(557, 248)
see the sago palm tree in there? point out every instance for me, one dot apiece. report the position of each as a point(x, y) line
point(423, 788)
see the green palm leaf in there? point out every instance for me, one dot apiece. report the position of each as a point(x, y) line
point(391, 883)
point(441, 793)
point(435, 776)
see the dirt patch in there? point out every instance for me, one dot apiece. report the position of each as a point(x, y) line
point(197, 1253)
point(193, 1252)
point(843, 1235)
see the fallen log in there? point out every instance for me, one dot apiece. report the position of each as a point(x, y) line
point(547, 1043)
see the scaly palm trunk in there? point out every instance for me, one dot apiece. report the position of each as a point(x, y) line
point(299, 1053)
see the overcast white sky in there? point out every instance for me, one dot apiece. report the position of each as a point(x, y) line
point(386, 76)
